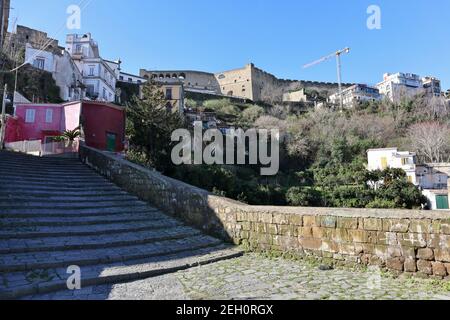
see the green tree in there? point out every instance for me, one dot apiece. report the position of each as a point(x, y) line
point(150, 125)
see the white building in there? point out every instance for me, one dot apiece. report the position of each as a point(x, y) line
point(397, 86)
point(131, 78)
point(432, 86)
point(99, 75)
point(382, 159)
point(432, 179)
point(400, 85)
point(356, 94)
point(65, 72)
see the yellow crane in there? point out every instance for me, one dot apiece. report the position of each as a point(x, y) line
point(336, 54)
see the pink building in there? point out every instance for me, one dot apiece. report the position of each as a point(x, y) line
point(41, 123)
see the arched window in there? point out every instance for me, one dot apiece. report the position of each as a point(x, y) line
point(182, 76)
point(168, 76)
point(174, 76)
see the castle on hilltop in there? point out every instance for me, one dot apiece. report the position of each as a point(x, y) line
point(248, 83)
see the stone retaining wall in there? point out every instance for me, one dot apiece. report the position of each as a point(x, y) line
point(400, 240)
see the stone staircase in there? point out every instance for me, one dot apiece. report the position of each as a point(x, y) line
point(56, 213)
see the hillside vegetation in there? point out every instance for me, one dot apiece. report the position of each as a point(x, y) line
point(323, 153)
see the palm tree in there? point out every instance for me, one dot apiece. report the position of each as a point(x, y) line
point(71, 136)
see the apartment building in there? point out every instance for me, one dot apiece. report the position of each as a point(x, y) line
point(356, 94)
point(99, 75)
point(397, 86)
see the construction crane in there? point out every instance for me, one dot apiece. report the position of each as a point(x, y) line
point(336, 54)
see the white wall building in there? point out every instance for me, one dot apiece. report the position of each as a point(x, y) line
point(356, 94)
point(382, 159)
point(397, 86)
point(400, 85)
point(99, 75)
point(430, 178)
point(131, 78)
point(65, 72)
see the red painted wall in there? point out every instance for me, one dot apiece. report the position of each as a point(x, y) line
point(35, 130)
point(99, 119)
point(12, 130)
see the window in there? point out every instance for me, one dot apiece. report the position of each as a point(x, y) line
point(91, 71)
point(121, 77)
point(130, 80)
point(104, 94)
point(78, 49)
point(29, 116)
point(49, 116)
point(39, 63)
point(169, 93)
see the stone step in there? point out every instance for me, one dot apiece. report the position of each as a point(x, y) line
point(63, 214)
point(90, 204)
point(59, 190)
point(37, 160)
point(50, 176)
point(13, 192)
point(99, 197)
point(81, 212)
point(64, 243)
point(22, 284)
point(63, 184)
point(64, 259)
point(87, 230)
point(70, 221)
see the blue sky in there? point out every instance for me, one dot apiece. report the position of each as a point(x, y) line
point(279, 36)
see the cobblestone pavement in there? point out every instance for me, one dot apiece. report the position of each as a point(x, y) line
point(257, 277)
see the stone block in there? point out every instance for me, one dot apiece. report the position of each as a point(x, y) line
point(305, 232)
point(425, 267)
point(410, 265)
point(287, 230)
point(286, 242)
point(328, 222)
point(445, 227)
point(357, 236)
point(347, 249)
point(418, 240)
point(281, 218)
point(339, 235)
point(396, 225)
point(424, 226)
point(442, 255)
point(310, 244)
point(319, 233)
point(347, 223)
point(373, 224)
point(408, 253)
point(311, 221)
point(272, 229)
point(439, 269)
point(396, 264)
point(329, 246)
point(439, 241)
point(447, 267)
point(266, 218)
point(296, 220)
point(425, 254)
point(389, 238)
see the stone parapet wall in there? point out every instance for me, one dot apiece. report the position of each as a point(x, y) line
point(400, 240)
